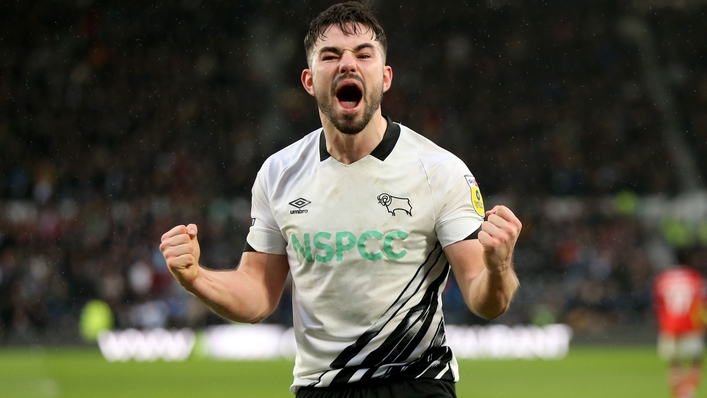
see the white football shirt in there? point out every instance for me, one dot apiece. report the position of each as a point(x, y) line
point(364, 243)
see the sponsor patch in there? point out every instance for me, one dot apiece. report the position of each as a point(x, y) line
point(476, 200)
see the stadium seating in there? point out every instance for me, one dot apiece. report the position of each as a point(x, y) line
point(120, 120)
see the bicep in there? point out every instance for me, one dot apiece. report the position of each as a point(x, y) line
point(267, 273)
point(466, 260)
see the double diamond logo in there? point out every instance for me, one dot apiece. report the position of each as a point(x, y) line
point(299, 203)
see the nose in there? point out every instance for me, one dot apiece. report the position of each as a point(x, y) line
point(347, 63)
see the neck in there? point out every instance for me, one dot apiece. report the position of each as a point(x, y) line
point(349, 148)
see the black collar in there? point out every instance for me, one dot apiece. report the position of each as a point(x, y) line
point(381, 152)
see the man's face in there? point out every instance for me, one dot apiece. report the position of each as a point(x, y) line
point(347, 77)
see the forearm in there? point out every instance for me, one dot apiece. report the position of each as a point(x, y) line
point(247, 294)
point(231, 294)
point(489, 294)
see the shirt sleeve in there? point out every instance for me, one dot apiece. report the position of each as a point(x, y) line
point(264, 234)
point(458, 202)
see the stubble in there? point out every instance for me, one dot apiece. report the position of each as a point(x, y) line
point(350, 124)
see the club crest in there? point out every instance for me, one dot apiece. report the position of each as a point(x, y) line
point(394, 203)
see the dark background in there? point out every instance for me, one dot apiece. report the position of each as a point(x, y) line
point(120, 119)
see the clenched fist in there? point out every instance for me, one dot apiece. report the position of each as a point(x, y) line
point(498, 237)
point(181, 250)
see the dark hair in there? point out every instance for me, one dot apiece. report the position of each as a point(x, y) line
point(350, 17)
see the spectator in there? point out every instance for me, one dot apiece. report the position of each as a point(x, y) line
point(101, 104)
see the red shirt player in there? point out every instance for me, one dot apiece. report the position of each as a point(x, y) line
point(679, 295)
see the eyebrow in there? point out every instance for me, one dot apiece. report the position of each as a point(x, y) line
point(337, 50)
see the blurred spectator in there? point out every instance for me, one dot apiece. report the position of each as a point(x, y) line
point(120, 120)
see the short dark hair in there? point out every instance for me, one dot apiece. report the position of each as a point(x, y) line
point(349, 17)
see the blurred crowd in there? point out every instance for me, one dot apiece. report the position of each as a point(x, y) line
point(121, 119)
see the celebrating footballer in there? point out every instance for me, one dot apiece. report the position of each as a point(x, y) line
point(369, 218)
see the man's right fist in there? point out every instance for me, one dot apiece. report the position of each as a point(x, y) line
point(181, 250)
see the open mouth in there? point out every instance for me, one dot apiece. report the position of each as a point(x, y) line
point(349, 95)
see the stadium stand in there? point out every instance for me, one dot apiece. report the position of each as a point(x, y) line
point(119, 120)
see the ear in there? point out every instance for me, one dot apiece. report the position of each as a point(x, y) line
point(307, 81)
point(387, 77)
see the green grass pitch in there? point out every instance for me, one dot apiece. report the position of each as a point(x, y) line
point(586, 372)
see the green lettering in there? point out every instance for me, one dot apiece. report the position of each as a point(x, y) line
point(340, 247)
point(345, 241)
point(305, 251)
point(362, 245)
point(388, 245)
point(323, 246)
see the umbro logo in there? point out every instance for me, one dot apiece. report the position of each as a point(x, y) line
point(299, 203)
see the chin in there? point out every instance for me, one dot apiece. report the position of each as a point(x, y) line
point(350, 127)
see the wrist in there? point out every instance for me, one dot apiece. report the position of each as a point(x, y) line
point(499, 270)
point(187, 277)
